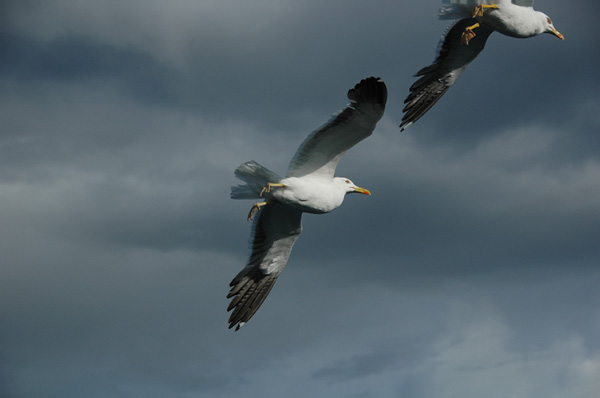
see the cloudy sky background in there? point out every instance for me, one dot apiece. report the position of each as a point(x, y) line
point(471, 271)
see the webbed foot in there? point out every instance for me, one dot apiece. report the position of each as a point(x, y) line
point(468, 34)
point(478, 11)
point(255, 209)
point(267, 188)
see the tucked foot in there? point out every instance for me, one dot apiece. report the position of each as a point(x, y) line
point(468, 34)
point(267, 188)
point(255, 209)
point(478, 11)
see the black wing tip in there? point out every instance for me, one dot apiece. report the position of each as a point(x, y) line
point(238, 326)
point(404, 125)
point(371, 89)
point(414, 112)
point(249, 289)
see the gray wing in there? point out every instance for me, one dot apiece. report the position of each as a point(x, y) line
point(453, 58)
point(274, 231)
point(322, 149)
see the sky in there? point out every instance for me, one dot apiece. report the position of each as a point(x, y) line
point(472, 270)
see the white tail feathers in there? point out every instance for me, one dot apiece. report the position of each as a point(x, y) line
point(454, 11)
point(256, 177)
point(244, 192)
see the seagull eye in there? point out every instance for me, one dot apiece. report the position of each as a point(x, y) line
point(347, 181)
point(549, 21)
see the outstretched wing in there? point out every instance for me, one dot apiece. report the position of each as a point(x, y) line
point(274, 231)
point(453, 58)
point(321, 151)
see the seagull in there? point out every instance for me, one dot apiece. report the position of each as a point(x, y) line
point(309, 187)
point(464, 40)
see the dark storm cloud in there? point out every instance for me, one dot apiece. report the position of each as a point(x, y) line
point(471, 270)
point(73, 59)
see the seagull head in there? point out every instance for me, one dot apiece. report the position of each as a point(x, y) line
point(549, 27)
point(349, 186)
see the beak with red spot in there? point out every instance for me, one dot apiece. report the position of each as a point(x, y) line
point(362, 190)
point(557, 34)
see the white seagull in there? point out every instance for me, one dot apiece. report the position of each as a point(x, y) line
point(464, 40)
point(308, 187)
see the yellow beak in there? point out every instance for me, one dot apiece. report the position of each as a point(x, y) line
point(557, 34)
point(362, 190)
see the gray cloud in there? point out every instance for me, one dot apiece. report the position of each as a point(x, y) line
point(471, 270)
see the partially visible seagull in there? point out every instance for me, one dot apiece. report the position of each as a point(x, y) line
point(308, 187)
point(464, 40)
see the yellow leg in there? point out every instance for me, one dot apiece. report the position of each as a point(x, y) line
point(478, 12)
point(255, 209)
point(267, 188)
point(468, 34)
